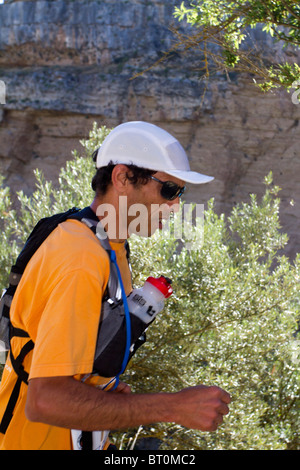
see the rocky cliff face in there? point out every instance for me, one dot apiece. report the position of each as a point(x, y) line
point(67, 64)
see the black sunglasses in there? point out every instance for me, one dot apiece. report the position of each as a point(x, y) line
point(169, 189)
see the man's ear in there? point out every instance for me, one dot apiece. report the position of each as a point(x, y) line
point(119, 178)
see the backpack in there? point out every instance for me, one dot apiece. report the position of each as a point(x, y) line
point(111, 357)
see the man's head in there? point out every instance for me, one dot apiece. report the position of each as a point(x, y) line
point(144, 163)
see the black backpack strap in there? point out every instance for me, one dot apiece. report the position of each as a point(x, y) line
point(17, 364)
point(86, 213)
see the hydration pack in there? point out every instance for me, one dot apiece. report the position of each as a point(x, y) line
point(119, 333)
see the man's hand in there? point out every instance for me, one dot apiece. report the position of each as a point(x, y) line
point(202, 407)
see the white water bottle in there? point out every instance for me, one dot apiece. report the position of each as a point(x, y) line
point(147, 301)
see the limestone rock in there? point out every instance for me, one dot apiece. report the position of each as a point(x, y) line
point(67, 64)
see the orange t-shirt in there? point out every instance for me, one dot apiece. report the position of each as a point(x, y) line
point(58, 302)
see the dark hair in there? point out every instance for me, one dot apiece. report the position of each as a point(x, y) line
point(102, 178)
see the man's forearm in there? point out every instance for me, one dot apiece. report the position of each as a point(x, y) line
point(65, 402)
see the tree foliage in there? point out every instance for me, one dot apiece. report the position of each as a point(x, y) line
point(231, 322)
point(222, 28)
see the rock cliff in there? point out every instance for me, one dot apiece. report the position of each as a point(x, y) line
point(67, 64)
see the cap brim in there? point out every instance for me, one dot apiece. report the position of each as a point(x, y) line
point(190, 176)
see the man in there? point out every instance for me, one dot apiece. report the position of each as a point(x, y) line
point(58, 302)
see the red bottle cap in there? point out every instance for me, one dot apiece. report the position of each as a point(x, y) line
point(163, 284)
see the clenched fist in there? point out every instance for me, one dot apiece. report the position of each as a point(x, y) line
point(202, 407)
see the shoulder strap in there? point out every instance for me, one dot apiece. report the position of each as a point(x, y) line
point(115, 284)
point(89, 218)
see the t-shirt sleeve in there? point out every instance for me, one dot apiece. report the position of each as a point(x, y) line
point(67, 332)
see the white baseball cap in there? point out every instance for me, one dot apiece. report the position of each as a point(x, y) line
point(147, 146)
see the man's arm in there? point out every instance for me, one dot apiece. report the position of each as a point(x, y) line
point(66, 402)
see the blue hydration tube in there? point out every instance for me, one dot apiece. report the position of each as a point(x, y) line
point(127, 320)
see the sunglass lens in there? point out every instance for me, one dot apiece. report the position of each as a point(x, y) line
point(171, 190)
